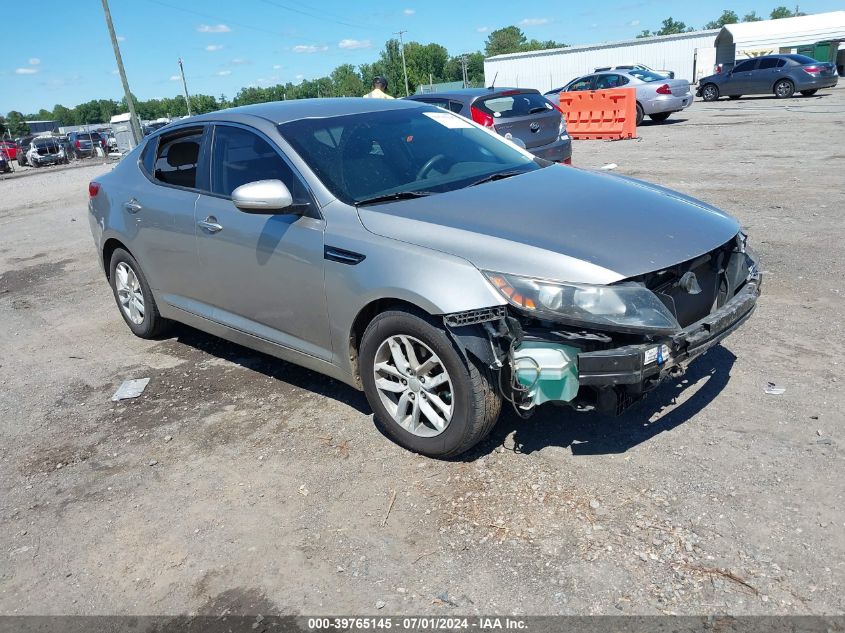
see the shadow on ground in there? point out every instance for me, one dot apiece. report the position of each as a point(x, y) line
point(597, 434)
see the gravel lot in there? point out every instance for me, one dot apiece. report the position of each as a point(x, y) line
point(237, 482)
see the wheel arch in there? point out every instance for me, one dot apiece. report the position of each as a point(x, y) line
point(109, 247)
point(363, 319)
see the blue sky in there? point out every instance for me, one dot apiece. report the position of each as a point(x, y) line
point(65, 55)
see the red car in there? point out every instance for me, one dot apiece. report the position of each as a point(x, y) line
point(10, 149)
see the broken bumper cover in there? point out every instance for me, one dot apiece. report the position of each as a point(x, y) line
point(636, 364)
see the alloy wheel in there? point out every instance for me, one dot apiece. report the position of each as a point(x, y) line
point(129, 293)
point(413, 385)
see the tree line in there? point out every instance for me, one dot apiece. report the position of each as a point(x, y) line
point(425, 62)
point(671, 26)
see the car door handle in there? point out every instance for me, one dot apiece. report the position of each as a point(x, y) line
point(210, 224)
point(132, 206)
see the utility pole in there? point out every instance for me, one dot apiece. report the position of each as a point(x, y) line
point(134, 125)
point(185, 86)
point(404, 67)
point(464, 70)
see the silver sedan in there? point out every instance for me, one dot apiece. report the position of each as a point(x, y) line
point(418, 256)
point(657, 96)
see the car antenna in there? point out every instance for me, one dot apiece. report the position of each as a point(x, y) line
point(493, 85)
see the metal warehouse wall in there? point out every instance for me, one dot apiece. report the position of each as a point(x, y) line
point(545, 70)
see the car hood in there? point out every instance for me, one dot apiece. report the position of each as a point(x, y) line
point(558, 223)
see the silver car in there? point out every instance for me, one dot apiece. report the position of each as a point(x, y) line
point(657, 96)
point(420, 257)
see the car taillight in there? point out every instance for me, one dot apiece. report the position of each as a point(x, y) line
point(78, 144)
point(664, 90)
point(567, 161)
point(93, 189)
point(812, 69)
point(482, 118)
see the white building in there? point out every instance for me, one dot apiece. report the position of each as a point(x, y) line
point(690, 55)
point(552, 68)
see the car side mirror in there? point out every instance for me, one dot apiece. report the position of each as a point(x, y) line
point(264, 196)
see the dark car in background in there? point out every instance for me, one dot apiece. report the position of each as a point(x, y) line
point(518, 114)
point(84, 144)
point(781, 75)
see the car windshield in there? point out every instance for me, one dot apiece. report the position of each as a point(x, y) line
point(419, 151)
point(646, 75)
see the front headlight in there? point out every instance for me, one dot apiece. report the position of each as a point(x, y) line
point(628, 306)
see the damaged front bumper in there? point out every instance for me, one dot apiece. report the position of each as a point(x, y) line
point(645, 363)
point(585, 369)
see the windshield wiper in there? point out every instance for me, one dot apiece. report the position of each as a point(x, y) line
point(390, 197)
point(497, 176)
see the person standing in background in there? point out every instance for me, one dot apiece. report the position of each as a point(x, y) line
point(379, 89)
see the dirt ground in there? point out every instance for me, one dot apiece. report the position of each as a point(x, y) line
point(237, 482)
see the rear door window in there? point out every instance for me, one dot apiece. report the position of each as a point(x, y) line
point(509, 105)
point(604, 82)
point(177, 158)
point(768, 62)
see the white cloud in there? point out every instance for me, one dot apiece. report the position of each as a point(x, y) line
point(213, 28)
point(213, 47)
point(175, 78)
point(223, 73)
point(26, 71)
point(300, 76)
point(482, 29)
point(34, 61)
point(120, 38)
point(239, 61)
point(409, 11)
point(354, 44)
point(277, 66)
point(534, 21)
point(309, 48)
point(114, 71)
point(634, 23)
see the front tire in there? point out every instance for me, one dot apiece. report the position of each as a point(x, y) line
point(710, 92)
point(659, 117)
point(809, 93)
point(784, 89)
point(424, 393)
point(134, 297)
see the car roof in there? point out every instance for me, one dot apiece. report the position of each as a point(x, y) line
point(468, 93)
point(285, 111)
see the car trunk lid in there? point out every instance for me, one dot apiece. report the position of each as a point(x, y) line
point(526, 115)
point(679, 87)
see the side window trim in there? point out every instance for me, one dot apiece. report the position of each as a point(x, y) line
point(175, 132)
point(294, 171)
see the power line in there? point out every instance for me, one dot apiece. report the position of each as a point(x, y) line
point(324, 17)
point(209, 16)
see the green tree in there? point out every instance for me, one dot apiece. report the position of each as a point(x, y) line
point(425, 63)
point(782, 12)
point(646, 33)
point(347, 82)
point(728, 17)
point(16, 123)
point(751, 17)
point(509, 39)
point(672, 27)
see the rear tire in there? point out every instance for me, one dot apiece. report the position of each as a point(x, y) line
point(784, 89)
point(659, 117)
point(640, 114)
point(710, 92)
point(134, 297)
point(809, 93)
point(466, 388)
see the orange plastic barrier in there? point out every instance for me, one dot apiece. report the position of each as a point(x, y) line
point(600, 114)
